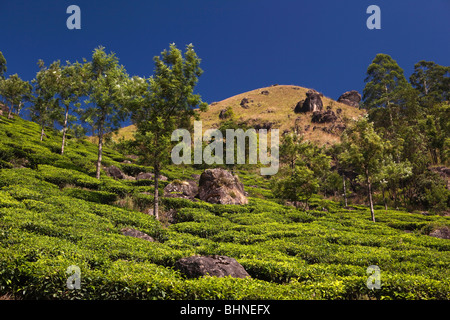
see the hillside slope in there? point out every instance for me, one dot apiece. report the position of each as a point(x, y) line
point(274, 105)
point(54, 214)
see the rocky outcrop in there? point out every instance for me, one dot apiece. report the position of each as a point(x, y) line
point(220, 186)
point(350, 98)
point(299, 107)
point(313, 102)
point(181, 189)
point(323, 116)
point(214, 266)
point(116, 173)
point(245, 103)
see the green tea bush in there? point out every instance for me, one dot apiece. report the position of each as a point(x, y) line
point(92, 196)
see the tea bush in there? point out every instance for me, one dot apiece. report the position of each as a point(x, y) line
point(55, 214)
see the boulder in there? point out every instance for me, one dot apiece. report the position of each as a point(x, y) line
point(214, 266)
point(265, 92)
point(130, 232)
point(323, 117)
point(221, 187)
point(116, 173)
point(181, 189)
point(149, 176)
point(245, 103)
point(313, 102)
point(350, 98)
point(299, 106)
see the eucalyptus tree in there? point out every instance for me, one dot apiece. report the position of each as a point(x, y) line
point(104, 105)
point(44, 106)
point(71, 86)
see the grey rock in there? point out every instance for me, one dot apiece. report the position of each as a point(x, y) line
point(220, 186)
point(215, 266)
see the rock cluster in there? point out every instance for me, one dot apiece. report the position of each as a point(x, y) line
point(323, 116)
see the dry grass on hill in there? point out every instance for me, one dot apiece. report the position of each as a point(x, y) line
point(274, 104)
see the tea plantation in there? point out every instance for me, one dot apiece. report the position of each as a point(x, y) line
point(55, 214)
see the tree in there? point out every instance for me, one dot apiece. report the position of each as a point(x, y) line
point(44, 103)
point(363, 150)
point(296, 185)
point(15, 91)
point(385, 83)
point(304, 169)
point(163, 103)
point(104, 110)
point(432, 81)
point(391, 175)
point(71, 85)
point(3, 67)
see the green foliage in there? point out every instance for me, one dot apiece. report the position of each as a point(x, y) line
point(14, 90)
point(54, 214)
point(3, 67)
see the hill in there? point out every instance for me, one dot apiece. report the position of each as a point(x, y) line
point(274, 107)
point(54, 214)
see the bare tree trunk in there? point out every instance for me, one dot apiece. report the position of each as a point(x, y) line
point(64, 130)
point(369, 189)
point(156, 197)
point(10, 111)
point(42, 132)
point(100, 148)
point(384, 197)
point(345, 189)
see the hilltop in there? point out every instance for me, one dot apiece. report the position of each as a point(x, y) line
point(273, 107)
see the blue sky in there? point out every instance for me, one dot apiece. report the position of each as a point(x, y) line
point(243, 44)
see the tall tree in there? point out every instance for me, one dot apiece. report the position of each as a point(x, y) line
point(44, 102)
point(71, 85)
point(166, 102)
point(364, 150)
point(104, 110)
point(15, 91)
point(385, 83)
